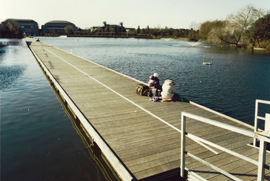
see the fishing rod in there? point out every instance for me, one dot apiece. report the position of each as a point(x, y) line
point(176, 59)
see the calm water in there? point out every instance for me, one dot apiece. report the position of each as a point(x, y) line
point(38, 140)
point(231, 85)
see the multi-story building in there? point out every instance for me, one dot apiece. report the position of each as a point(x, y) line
point(57, 27)
point(27, 26)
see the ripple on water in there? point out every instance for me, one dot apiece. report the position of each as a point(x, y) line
point(9, 74)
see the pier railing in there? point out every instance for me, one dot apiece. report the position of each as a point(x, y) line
point(262, 152)
point(257, 117)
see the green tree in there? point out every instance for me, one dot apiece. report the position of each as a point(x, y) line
point(176, 33)
point(260, 31)
point(147, 29)
point(143, 31)
point(69, 30)
point(121, 25)
point(193, 35)
point(105, 24)
point(115, 30)
point(168, 32)
point(138, 30)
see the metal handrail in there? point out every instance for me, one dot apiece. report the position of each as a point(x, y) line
point(262, 153)
point(256, 117)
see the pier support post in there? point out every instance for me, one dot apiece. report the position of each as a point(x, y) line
point(262, 153)
point(267, 123)
point(255, 121)
point(262, 158)
point(183, 145)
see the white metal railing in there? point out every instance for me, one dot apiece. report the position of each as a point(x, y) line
point(262, 153)
point(256, 117)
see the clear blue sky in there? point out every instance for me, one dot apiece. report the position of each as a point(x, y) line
point(133, 13)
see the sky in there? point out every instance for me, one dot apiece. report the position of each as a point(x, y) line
point(133, 13)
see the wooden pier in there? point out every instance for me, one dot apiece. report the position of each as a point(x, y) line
point(140, 139)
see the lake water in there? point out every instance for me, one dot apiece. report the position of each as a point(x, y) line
point(231, 85)
point(38, 140)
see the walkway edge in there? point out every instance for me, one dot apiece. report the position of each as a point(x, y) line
point(110, 156)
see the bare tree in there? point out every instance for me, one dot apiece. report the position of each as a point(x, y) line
point(195, 26)
point(238, 24)
point(12, 26)
point(215, 31)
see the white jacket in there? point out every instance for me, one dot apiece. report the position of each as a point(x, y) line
point(168, 89)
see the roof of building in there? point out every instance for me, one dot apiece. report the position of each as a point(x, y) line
point(59, 22)
point(20, 20)
point(113, 25)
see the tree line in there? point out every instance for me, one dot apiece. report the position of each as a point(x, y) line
point(162, 32)
point(156, 32)
point(248, 27)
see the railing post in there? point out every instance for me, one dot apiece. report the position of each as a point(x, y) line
point(183, 145)
point(262, 157)
point(255, 121)
point(267, 123)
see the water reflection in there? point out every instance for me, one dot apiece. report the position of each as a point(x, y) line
point(11, 67)
point(12, 42)
point(223, 49)
point(226, 49)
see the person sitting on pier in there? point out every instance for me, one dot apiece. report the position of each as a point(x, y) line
point(154, 85)
point(169, 91)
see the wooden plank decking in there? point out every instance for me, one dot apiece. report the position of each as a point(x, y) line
point(140, 132)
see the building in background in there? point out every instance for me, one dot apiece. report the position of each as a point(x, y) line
point(108, 28)
point(57, 27)
point(130, 29)
point(95, 28)
point(27, 27)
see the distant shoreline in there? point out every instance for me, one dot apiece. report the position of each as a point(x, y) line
point(182, 39)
